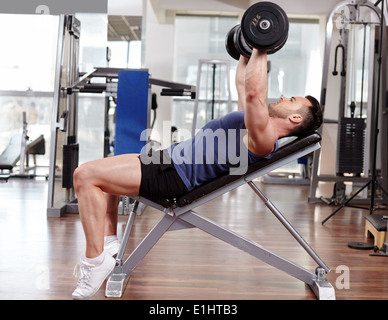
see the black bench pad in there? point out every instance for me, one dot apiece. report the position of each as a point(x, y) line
point(283, 152)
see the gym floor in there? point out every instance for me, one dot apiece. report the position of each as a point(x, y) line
point(38, 254)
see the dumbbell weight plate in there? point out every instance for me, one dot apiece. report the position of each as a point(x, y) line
point(240, 43)
point(229, 43)
point(272, 51)
point(265, 26)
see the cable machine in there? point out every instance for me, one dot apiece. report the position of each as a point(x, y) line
point(64, 148)
point(357, 23)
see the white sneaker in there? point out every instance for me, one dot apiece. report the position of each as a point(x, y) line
point(112, 247)
point(91, 276)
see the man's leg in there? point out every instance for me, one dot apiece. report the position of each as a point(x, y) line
point(111, 242)
point(116, 176)
point(111, 214)
point(98, 185)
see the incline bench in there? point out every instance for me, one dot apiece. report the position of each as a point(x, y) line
point(179, 214)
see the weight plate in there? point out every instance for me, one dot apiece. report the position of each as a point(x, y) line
point(272, 51)
point(229, 44)
point(360, 245)
point(240, 44)
point(265, 26)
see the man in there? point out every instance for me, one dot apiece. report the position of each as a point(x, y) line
point(99, 183)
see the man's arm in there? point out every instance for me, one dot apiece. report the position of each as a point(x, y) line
point(240, 82)
point(261, 134)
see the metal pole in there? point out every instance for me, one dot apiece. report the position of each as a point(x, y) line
point(289, 227)
point(127, 233)
point(55, 111)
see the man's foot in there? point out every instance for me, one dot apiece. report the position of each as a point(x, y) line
point(91, 276)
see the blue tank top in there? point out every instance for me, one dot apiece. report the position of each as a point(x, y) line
point(216, 149)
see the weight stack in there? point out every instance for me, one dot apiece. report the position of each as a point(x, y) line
point(350, 152)
point(70, 163)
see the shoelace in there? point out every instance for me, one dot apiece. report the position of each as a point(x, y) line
point(83, 272)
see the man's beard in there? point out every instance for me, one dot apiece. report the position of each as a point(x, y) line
point(275, 112)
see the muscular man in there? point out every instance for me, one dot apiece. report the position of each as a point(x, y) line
point(179, 169)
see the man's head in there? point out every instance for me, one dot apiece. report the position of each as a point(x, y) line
point(303, 114)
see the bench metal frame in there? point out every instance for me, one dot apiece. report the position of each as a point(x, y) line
point(181, 217)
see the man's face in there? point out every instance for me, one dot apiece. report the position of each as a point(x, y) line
point(286, 106)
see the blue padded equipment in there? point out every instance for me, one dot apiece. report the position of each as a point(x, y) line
point(131, 110)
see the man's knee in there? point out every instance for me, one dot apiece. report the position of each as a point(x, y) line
point(82, 176)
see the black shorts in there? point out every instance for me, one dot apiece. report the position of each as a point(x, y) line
point(159, 176)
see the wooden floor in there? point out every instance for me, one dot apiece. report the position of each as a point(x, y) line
point(38, 254)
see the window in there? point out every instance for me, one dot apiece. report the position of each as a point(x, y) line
point(27, 67)
point(27, 58)
point(296, 69)
point(125, 54)
point(198, 37)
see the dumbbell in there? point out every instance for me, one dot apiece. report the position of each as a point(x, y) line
point(263, 26)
